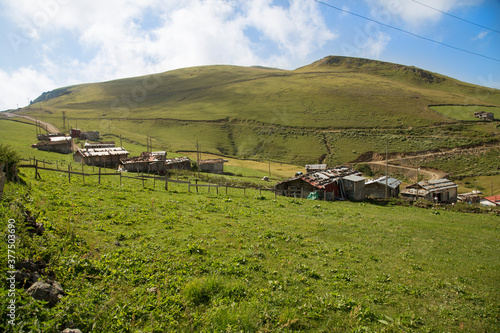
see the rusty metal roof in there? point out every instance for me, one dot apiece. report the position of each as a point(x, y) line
point(213, 161)
point(92, 152)
point(176, 160)
point(431, 186)
point(320, 179)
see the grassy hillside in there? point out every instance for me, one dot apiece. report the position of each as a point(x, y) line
point(204, 262)
point(254, 112)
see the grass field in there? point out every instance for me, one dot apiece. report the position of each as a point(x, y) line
point(459, 112)
point(250, 263)
point(246, 261)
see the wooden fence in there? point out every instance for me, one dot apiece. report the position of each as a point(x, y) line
point(42, 165)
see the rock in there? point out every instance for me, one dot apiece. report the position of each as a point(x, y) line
point(71, 330)
point(48, 291)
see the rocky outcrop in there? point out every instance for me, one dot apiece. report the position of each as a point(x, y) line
point(48, 291)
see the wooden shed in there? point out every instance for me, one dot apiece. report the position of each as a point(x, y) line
point(58, 143)
point(376, 188)
point(439, 191)
point(213, 165)
point(148, 162)
point(325, 185)
point(107, 157)
point(354, 186)
point(178, 163)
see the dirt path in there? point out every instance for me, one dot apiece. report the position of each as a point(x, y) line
point(431, 174)
point(48, 127)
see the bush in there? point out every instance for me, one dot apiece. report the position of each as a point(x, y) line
point(10, 159)
point(364, 169)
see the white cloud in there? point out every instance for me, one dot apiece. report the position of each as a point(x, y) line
point(119, 38)
point(481, 35)
point(416, 13)
point(22, 85)
point(375, 45)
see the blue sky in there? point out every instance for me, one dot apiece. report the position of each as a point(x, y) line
point(48, 44)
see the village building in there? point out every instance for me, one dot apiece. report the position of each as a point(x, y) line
point(90, 135)
point(310, 168)
point(354, 187)
point(75, 133)
point(438, 191)
point(376, 188)
point(178, 163)
point(484, 115)
point(148, 162)
point(492, 201)
point(471, 198)
point(322, 185)
point(212, 166)
point(58, 143)
point(106, 157)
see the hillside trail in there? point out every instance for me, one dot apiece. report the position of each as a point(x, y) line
point(430, 173)
point(47, 126)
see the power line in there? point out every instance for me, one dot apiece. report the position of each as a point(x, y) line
point(458, 18)
point(407, 32)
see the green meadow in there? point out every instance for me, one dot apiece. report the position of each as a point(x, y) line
point(136, 258)
point(133, 259)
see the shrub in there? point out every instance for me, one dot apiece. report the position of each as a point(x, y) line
point(10, 159)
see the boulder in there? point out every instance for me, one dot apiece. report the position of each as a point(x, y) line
point(48, 291)
point(71, 330)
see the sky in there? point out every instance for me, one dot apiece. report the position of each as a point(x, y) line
point(47, 44)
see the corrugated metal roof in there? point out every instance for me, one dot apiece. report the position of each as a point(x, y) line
point(432, 186)
point(437, 185)
point(354, 178)
point(177, 160)
point(59, 138)
point(391, 182)
point(316, 166)
point(320, 179)
point(213, 161)
point(92, 152)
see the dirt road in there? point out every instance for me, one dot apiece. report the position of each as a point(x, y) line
point(48, 127)
point(428, 174)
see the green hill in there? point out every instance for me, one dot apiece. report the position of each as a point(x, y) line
point(294, 116)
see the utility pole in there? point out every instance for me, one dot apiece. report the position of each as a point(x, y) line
point(386, 166)
point(198, 158)
point(269, 166)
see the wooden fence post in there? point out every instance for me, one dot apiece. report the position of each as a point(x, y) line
point(120, 179)
point(217, 189)
point(196, 180)
point(83, 175)
point(99, 175)
point(208, 187)
point(69, 173)
point(189, 186)
point(166, 183)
